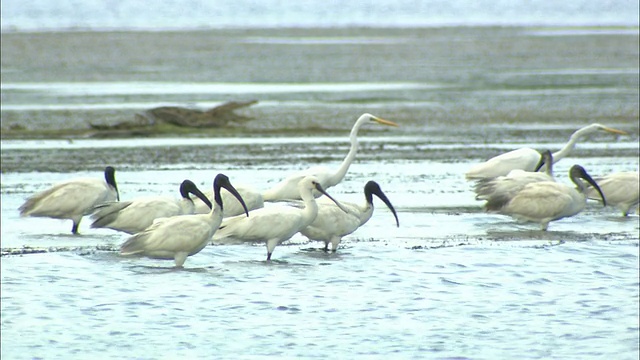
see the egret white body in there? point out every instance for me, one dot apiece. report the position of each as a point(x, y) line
point(502, 188)
point(527, 158)
point(546, 201)
point(232, 207)
point(288, 188)
point(136, 215)
point(72, 199)
point(620, 189)
point(176, 238)
point(332, 223)
point(274, 224)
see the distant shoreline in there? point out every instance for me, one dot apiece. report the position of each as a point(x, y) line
point(608, 29)
point(464, 75)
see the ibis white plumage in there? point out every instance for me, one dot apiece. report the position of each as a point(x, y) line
point(232, 207)
point(136, 215)
point(332, 223)
point(176, 238)
point(546, 201)
point(620, 189)
point(527, 158)
point(288, 188)
point(273, 224)
point(502, 188)
point(72, 199)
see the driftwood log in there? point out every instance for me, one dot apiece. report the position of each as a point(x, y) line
point(219, 116)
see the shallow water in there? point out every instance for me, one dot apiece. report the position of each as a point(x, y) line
point(69, 15)
point(450, 282)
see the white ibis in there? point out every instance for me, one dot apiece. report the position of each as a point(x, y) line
point(72, 199)
point(332, 224)
point(136, 215)
point(620, 189)
point(502, 188)
point(175, 238)
point(546, 201)
point(273, 224)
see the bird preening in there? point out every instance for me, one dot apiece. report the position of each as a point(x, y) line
point(168, 228)
point(510, 184)
point(172, 228)
point(527, 158)
point(502, 188)
point(545, 201)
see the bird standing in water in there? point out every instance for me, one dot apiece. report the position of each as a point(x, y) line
point(72, 199)
point(176, 238)
point(547, 201)
point(332, 224)
point(274, 224)
point(136, 215)
point(527, 158)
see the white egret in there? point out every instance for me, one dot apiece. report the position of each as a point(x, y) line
point(331, 223)
point(620, 189)
point(527, 158)
point(288, 188)
point(547, 201)
point(502, 188)
point(176, 238)
point(273, 224)
point(72, 199)
point(136, 215)
point(232, 207)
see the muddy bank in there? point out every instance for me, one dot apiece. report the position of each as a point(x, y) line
point(440, 77)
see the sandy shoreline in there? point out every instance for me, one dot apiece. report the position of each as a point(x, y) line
point(489, 74)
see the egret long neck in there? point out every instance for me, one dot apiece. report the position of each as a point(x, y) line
point(568, 146)
point(344, 167)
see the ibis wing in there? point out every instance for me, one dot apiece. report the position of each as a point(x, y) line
point(171, 235)
point(74, 197)
point(540, 201)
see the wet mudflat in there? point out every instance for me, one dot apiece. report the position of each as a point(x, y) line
point(451, 282)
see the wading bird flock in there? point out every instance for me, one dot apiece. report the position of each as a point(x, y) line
point(176, 228)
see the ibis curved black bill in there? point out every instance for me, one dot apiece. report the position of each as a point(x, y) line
point(188, 187)
point(372, 188)
point(578, 171)
point(222, 181)
point(545, 158)
point(320, 189)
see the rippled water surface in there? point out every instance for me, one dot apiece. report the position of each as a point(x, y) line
point(450, 282)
